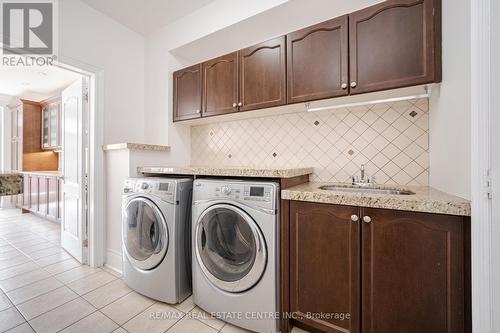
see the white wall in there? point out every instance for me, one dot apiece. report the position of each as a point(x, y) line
point(450, 140)
point(92, 38)
point(495, 111)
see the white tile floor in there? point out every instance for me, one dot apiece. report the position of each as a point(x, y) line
point(43, 289)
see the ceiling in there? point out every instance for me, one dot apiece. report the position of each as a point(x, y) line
point(146, 16)
point(34, 83)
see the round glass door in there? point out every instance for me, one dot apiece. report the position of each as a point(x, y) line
point(145, 234)
point(230, 248)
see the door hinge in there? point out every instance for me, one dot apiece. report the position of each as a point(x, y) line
point(487, 184)
point(85, 243)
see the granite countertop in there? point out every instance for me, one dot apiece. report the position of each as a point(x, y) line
point(135, 146)
point(426, 199)
point(11, 183)
point(42, 173)
point(228, 171)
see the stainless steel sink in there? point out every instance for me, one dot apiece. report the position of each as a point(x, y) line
point(374, 190)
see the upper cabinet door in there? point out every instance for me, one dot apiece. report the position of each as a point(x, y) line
point(318, 61)
point(220, 85)
point(187, 93)
point(45, 127)
point(54, 125)
point(395, 44)
point(263, 75)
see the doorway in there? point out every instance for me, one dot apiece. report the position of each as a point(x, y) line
point(49, 145)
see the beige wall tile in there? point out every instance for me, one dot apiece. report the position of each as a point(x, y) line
point(334, 142)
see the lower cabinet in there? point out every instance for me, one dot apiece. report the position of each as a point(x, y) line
point(324, 269)
point(374, 271)
point(41, 196)
point(53, 198)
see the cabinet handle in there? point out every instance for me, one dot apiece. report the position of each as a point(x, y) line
point(240, 104)
point(367, 219)
point(235, 105)
point(354, 218)
point(344, 85)
point(353, 84)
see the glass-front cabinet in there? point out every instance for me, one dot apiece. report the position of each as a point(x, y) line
point(51, 126)
point(54, 125)
point(45, 127)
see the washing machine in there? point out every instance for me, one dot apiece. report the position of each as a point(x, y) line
point(235, 251)
point(156, 232)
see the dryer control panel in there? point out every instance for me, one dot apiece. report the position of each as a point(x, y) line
point(262, 195)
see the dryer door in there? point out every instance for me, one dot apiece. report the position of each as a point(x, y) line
point(230, 248)
point(145, 233)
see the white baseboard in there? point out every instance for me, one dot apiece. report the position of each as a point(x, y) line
point(113, 260)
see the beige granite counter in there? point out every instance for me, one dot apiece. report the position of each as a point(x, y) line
point(42, 173)
point(11, 183)
point(228, 172)
point(135, 146)
point(426, 199)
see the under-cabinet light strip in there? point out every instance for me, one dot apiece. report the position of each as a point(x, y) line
point(371, 102)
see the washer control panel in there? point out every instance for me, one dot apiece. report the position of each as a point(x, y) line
point(160, 188)
point(253, 194)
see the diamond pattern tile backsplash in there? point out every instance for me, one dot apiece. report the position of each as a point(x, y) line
point(392, 140)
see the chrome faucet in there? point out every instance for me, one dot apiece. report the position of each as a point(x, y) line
point(363, 181)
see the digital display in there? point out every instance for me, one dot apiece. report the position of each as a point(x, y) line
point(163, 187)
point(256, 191)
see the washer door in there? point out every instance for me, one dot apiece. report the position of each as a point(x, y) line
point(145, 233)
point(230, 248)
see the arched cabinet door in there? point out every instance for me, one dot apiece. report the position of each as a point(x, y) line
point(324, 266)
point(220, 85)
point(263, 75)
point(413, 272)
point(395, 44)
point(187, 93)
point(317, 61)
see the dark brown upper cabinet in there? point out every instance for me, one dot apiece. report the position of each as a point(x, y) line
point(187, 93)
point(413, 276)
point(324, 265)
point(318, 61)
point(395, 44)
point(263, 75)
point(220, 85)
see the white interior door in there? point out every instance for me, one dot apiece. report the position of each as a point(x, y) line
point(73, 196)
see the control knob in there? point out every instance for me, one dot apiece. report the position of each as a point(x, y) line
point(226, 190)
